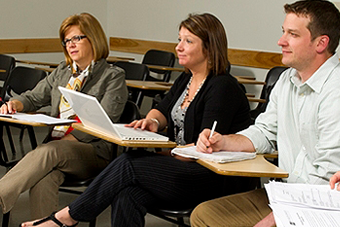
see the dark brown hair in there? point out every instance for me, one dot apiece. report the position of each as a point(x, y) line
point(215, 45)
point(324, 19)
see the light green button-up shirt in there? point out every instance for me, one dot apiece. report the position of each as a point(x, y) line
point(303, 121)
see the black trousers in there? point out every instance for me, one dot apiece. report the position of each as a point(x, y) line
point(139, 179)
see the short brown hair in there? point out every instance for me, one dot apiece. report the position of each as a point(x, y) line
point(94, 32)
point(324, 19)
point(215, 45)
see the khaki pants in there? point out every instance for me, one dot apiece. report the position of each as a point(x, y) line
point(241, 210)
point(42, 171)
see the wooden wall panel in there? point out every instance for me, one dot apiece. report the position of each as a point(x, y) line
point(13, 46)
point(256, 59)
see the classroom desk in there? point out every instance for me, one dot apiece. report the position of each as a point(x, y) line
point(113, 59)
point(134, 143)
point(51, 65)
point(162, 86)
point(258, 167)
point(242, 80)
point(149, 85)
point(28, 123)
point(166, 68)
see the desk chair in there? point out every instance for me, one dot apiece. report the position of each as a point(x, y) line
point(130, 113)
point(168, 214)
point(161, 58)
point(20, 80)
point(271, 79)
point(7, 63)
point(134, 71)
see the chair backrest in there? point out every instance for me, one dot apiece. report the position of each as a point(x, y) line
point(133, 71)
point(22, 79)
point(271, 79)
point(130, 112)
point(162, 58)
point(6, 63)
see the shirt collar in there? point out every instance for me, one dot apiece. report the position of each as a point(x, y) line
point(318, 79)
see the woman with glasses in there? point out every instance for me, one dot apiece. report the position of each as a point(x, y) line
point(68, 151)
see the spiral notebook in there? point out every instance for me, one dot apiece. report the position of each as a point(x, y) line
point(93, 116)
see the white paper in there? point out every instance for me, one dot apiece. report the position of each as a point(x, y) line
point(39, 118)
point(304, 205)
point(220, 157)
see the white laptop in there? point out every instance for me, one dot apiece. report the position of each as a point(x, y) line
point(93, 116)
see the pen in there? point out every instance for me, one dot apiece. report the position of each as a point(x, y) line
point(213, 129)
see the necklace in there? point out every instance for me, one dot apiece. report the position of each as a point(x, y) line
point(180, 113)
point(186, 96)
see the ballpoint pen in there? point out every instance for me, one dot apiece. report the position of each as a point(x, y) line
point(213, 129)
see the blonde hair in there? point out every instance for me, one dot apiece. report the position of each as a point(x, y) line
point(94, 32)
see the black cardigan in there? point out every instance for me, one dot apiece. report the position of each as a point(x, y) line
point(220, 98)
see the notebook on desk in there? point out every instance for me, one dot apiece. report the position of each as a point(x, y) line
point(93, 116)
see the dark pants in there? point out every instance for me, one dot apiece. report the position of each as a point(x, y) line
point(137, 180)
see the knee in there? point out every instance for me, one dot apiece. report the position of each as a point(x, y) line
point(198, 214)
point(50, 182)
point(53, 149)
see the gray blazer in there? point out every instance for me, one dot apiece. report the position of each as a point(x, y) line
point(106, 83)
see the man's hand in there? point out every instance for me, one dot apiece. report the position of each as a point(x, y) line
point(268, 221)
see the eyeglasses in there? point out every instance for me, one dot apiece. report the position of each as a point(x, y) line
point(75, 39)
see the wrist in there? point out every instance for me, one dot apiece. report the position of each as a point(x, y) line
point(155, 120)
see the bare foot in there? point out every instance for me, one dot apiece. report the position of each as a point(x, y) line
point(61, 218)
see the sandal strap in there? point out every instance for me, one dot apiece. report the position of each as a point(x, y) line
point(54, 219)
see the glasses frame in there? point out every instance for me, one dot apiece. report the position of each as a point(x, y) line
point(75, 39)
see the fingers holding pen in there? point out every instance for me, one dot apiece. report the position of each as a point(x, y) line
point(8, 108)
point(204, 142)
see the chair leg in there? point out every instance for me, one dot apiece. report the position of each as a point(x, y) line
point(31, 134)
point(5, 219)
point(10, 139)
point(92, 223)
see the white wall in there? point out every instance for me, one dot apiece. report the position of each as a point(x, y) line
point(253, 25)
point(42, 19)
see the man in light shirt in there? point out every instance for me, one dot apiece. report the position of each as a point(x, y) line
point(302, 119)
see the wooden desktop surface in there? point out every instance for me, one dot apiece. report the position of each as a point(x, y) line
point(148, 85)
point(165, 86)
point(134, 143)
point(52, 65)
point(113, 59)
point(258, 167)
point(166, 68)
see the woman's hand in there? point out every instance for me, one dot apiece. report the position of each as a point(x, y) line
point(145, 124)
point(8, 108)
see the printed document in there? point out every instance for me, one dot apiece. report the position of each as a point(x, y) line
point(305, 205)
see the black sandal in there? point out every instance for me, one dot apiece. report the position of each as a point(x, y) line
point(52, 218)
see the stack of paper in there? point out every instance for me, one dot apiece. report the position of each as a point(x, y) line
point(304, 205)
point(39, 118)
point(220, 157)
